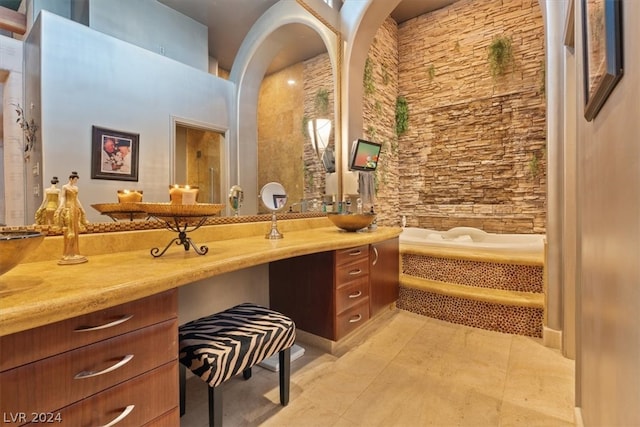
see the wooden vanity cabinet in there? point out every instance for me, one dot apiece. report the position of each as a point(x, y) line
point(92, 369)
point(330, 294)
point(384, 273)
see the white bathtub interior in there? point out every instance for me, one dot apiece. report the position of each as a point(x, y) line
point(470, 238)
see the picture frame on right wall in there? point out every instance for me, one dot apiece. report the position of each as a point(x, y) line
point(602, 52)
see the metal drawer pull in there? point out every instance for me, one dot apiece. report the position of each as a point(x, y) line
point(121, 417)
point(355, 295)
point(354, 253)
point(375, 251)
point(355, 319)
point(89, 374)
point(355, 272)
point(105, 326)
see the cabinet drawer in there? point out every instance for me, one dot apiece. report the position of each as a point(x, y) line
point(57, 381)
point(34, 344)
point(352, 294)
point(345, 256)
point(351, 319)
point(138, 401)
point(168, 419)
point(355, 270)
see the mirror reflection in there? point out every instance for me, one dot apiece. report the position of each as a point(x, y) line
point(236, 197)
point(182, 127)
point(295, 138)
point(273, 196)
point(198, 161)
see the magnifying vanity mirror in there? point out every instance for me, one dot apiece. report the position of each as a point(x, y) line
point(274, 198)
point(236, 196)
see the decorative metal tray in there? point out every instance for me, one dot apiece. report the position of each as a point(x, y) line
point(121, 211)
point(183, 211)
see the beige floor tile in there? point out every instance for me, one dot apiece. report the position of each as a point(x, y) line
point(408, 370)
point(517, 416)
point(539, 378)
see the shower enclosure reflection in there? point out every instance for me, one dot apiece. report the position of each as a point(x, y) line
point(198, 161)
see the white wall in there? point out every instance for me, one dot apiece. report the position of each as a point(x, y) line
point(89, 78)
point(153, 26)
point(12, 205)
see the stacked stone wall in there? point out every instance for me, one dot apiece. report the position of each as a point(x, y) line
point(317, 77)
point(380, 93)
point(475, 150)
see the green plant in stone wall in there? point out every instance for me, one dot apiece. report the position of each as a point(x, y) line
point(386, 78)
point(307, 174)
point(431, 71)
point(367, 80)
point(394, 146)
point(402, 115)
point(372, 131)
point(500, 55)
point(378, 108)
point(534, 164)
point(543, 80)
point(305, 126)
point(321, 102)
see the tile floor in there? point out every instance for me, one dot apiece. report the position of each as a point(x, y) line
point(406, 370)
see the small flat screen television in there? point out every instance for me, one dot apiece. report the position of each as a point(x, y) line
point(365, 155)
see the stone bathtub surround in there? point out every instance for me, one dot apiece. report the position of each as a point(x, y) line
point(121, 268)
point(512, 277)
point(497, 292)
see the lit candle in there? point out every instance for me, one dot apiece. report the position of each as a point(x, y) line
point(183, 195)
point(129, 196)
point(189, 195)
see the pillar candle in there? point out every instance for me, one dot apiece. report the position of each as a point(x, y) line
point(183, 195)
point(129, 196)
point(189, 196)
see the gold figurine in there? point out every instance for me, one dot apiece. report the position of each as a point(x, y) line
point(72, 218)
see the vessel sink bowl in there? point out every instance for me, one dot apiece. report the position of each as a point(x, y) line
point(15, 246)
point(351, 221)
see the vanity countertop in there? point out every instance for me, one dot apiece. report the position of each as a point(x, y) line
point(41, 292)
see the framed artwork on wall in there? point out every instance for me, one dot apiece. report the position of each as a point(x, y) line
point(114, 154)
point(569, 27)
point(602, 51)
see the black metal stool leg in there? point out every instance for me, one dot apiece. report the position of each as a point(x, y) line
point(284, 358)
point(246, 374)
point(215, 407)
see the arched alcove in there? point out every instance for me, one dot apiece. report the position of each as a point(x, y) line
point(269, 35)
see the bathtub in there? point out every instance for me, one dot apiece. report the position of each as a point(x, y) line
point(469, 238)
point(471, 277)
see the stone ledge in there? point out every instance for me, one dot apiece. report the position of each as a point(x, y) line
point(492, 296)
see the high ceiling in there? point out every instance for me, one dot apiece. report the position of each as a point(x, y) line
point(230, 20)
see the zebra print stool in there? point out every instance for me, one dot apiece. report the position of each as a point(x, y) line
point(222, 345)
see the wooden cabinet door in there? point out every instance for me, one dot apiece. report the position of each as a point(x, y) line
point(303, 289)
point(384, 274)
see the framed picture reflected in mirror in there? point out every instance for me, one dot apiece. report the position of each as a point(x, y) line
point(114, 154)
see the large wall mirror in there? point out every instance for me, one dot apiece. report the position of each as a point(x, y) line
point(76, 78)
point(275, 104)
point(290, 102)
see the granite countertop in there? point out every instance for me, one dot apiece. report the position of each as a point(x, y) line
point(41, 292)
